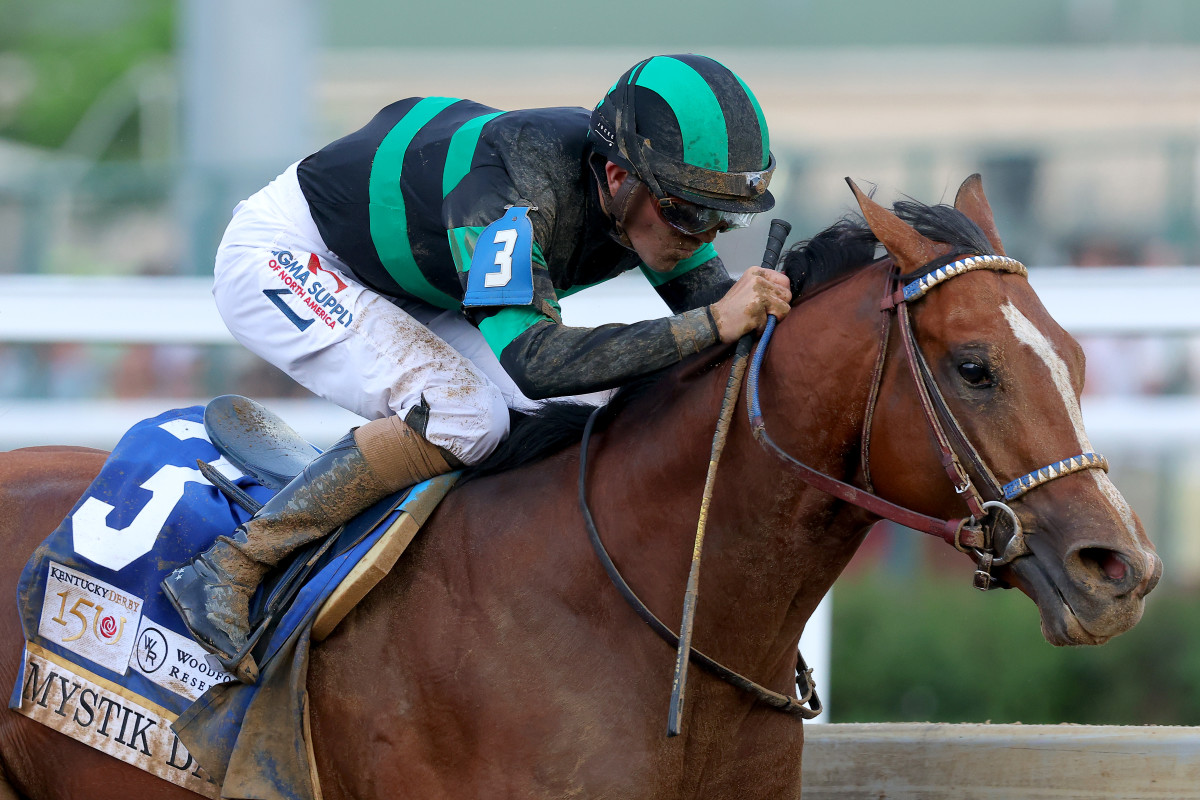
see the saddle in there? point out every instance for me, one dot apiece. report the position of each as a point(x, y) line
point(93, 613)
point(260, 444)
point(256, 440)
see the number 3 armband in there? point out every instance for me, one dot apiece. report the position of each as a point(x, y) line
point(501, 271)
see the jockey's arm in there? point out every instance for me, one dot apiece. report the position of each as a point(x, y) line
point(548, 359)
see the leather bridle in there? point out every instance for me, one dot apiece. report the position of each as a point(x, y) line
point(973, 534)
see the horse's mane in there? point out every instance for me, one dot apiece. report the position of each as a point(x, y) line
point(555, 425)
point(841, 249)
point(945, 224)
point(848, 245)
point(844, 247)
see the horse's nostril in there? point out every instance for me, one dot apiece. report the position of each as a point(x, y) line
point(1108, 562)
point(1154, 571)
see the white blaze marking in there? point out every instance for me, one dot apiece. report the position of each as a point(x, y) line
point(1029, 335)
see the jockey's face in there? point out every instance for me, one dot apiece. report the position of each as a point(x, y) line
point(660, 246)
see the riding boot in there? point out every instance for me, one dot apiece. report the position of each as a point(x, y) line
point(212, 592)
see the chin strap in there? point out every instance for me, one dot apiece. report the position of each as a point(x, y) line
point(617, 207)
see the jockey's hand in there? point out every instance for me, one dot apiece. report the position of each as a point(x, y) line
point(745, 307)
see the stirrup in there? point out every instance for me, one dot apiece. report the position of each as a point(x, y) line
point(241, 664)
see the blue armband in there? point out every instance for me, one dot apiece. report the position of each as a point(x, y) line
point(501, 272)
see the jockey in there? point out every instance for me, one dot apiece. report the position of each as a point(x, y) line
point(410, 272)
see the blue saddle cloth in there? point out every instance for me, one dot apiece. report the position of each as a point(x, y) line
point(90, 598)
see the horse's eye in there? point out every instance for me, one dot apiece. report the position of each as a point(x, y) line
point(975, 373)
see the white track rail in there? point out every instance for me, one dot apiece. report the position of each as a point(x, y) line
point(126, 310)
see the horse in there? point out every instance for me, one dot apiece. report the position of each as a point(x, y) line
point(498, 659)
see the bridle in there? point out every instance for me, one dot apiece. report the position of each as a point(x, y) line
point(974, 534)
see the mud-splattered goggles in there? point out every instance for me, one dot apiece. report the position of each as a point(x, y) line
point(693, 220)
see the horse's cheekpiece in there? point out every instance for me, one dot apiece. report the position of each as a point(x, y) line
point(975, 534)
point(98, 626)
point(501, 272)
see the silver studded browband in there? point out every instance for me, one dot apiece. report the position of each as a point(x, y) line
point(1023, 484)
point(1018, 487)
point(919, 287)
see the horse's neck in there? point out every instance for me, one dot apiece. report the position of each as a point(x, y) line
point(773, 545)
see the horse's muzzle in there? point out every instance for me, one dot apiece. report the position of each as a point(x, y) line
point(1089, 596)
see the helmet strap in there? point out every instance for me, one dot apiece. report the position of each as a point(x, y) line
point(618, 207)
point(626, 133)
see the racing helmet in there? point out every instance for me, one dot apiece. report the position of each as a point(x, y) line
point(691, 130)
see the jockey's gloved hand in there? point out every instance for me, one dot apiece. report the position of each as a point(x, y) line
point(757, 294)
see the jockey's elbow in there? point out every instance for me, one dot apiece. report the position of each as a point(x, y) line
point(533, 388)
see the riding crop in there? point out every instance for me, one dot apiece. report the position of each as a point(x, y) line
point(775, 239)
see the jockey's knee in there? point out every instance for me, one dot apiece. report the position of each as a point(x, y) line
point(493, 428)
point(468, 421)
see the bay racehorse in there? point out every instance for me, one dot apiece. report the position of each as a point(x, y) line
point(498, 660)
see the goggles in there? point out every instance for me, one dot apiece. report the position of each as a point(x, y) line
point(693, 219)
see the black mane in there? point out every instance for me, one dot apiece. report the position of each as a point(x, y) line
point(840, 249)
point(944, 224)
point(552, 427)
point(849, 244)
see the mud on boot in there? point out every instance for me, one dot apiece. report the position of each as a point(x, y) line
point(212, 594)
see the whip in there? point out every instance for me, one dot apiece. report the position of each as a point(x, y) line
point(775, 239)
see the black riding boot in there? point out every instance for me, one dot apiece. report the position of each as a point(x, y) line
point(212, 593)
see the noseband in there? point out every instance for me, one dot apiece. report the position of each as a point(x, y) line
point(974, 534)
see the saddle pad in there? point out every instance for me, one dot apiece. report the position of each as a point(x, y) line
point(107, 660)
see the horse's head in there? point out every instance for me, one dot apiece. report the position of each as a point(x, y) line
point(1003, 382)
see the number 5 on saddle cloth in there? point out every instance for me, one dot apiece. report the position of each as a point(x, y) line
point(90, 596)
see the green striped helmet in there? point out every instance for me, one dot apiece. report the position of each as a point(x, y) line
point(688, 126)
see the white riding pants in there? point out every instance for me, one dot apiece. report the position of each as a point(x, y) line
point(292, 302)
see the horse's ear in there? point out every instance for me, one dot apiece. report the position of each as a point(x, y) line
point(972, 202)
point(909, 249)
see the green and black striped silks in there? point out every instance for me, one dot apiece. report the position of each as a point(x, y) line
point(403, 200)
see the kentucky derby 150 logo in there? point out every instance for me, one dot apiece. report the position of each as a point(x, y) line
point(89, 617)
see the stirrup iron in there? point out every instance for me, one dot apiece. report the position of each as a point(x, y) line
point(241, 664)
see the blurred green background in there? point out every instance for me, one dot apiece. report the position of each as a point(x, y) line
point(129, 128)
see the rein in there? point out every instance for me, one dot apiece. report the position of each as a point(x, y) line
point(967, 534)
point(807, 706)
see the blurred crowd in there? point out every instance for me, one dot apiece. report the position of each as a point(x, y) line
point(75, 371)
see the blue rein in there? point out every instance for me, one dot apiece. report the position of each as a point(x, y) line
point(909, 293)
